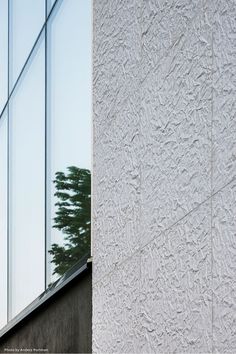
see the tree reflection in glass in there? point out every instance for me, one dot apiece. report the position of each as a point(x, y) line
point(73, 218)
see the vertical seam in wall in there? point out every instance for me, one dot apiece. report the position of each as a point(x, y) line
point(212, 291)
point(8, 174)
point(45, 152)
point(92, 130)
point(92, 170)
point(140, 159)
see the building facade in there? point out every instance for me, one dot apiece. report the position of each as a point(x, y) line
point(164, 261)
point(164, 176)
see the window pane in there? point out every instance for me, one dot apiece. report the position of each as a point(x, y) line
point(3, 52)
point(50, 5)
point(70, 139)
point(27, 18)
point(3, 220)
point(27, 173)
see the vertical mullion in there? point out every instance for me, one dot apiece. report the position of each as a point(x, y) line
point(8, 174)
point(46, 148)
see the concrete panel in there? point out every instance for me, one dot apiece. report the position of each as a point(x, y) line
point(224, 270)
point(224, 92)
point(62, 325)
point(164, 24)
point(176, 288)
point(176, 130)
point(116, 309)
point(116, 133)
point(116, 203)
point(116, 55)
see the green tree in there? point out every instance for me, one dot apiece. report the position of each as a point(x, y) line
point(73, 217)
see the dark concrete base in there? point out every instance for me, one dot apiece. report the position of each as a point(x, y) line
point(61, 325)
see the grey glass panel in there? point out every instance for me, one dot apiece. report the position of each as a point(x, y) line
point(26, 20)
point(3, 52)
point(27, 185)
point(3, 220)
point(70, 134)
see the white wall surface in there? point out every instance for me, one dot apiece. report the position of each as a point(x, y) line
point(164, 238)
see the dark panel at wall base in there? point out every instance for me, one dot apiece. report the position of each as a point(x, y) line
point(61, 325)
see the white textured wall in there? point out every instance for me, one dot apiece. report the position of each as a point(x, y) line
point(164, 238)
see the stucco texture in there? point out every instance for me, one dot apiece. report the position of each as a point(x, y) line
point(164, 187)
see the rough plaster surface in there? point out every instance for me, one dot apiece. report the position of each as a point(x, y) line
point(175, 128)
point(224, 270)
point(116, 326)
point(175, 289)
point(164, 24)
point(116, 131)
point(224, 85)
point(164, 171)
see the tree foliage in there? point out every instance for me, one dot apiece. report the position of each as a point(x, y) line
point(73, 217)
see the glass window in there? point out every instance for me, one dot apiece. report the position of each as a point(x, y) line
point(3, 52)
point(3, 220)
point(27, 184)
point(45, 145)
point(70, 134)
point(26, 20)
point(50, 4)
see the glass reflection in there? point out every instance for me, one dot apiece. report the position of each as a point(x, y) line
point(27, 185)
point(68, 147)
point(26, 20)
point(69, 113)
point(3, 220)
point(3, 52)
point(73, 209)
point(50, 4)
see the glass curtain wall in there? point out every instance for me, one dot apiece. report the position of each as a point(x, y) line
point(3, 220)
point(26, 20)
point(50, 4)
point(27, 174)
point(3, 52)
point(45, 145)
point(69, 110)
